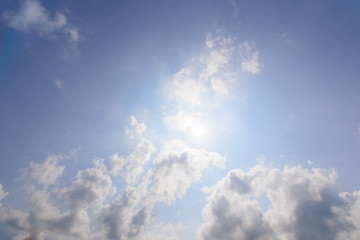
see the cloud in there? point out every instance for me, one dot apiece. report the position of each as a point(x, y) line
point(91, 187)
point(137, 159)
point(45, 173)
point(186, 86)
point(206, 80)
point(176, 167)
point(137, 129)
point(302, 206)
point(163, 231)
point(250, 62)
point(118, 217)
point(58, 83)
point(262, 203)
point(3, 194)
point(214, 71)
point(32, 17)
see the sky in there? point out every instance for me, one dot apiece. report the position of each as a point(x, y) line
point(216, 119)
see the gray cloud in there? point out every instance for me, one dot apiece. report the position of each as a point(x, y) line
point(302, 206)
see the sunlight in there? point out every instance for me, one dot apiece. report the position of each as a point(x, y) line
point(198, 130)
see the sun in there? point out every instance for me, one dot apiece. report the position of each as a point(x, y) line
point(198, 129)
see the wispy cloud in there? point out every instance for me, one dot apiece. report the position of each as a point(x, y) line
point(250, 62)
point(32, 17)
point(208, 78)
point(59, 84)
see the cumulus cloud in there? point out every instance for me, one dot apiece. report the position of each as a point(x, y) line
point(137, 159)
point(302, 206)
point(137, 128)
point(32, 17)
point(45, 173)
point(176, 167)
point(118, 217)
point(262, 203)
point(91, 187)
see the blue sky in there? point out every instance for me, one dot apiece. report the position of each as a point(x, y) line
point(179, 119)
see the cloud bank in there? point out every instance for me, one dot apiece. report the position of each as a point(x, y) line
point(263, 203)
point(302, 204)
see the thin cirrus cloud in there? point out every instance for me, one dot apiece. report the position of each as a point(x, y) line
point(32, 17)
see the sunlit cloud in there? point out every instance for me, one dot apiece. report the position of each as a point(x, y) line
point(302, 206)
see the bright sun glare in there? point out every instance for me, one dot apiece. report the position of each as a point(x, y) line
point(198, 130)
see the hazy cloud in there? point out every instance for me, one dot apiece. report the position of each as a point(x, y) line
point(58, 83)
point(250, 62)
point(32, 17)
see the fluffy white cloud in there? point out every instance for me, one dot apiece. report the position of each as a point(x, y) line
point(137, 159)
point(122, 220)
point(91, 187)
point(33, 18)
point(176, 167)
point(137, 128)
point(302, 206)
point(45, 173)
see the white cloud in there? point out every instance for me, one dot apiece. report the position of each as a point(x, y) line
point(137, 159)
point(302, 202)
point(58, 83)
point(91, 187)
point(176, 167)
point(250, 62)
point(45, 173)
point(163, 231)
point(120, 219)
point(3, 194)
point(33, 18)
point(186, 86)
point(302, 206)
point(137, 128)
